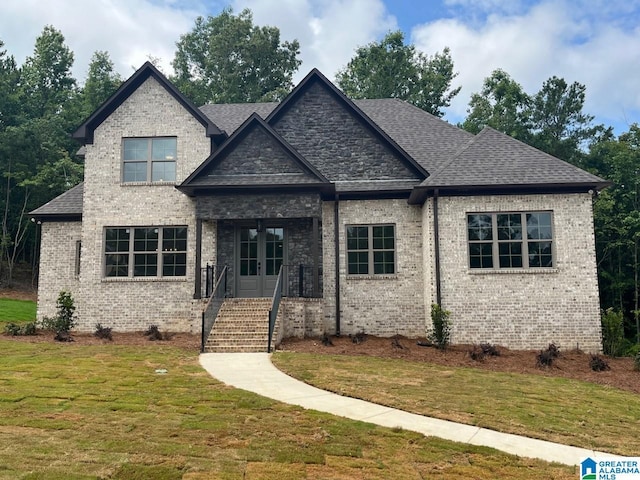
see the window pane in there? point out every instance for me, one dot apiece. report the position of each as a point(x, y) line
point(116, 265)
point(117, 240)
point(135, 149)
point(163, 171)
point(358, 263)
point(510, 254)
point(539, 226)
point(134, 172)
point(479, 227)
point(509, 226)
point(383, 262)
point(174, 239)
point(480, 255)
point(383, 237)
point(145, 240)
point(174, 264)
point(540, 254)
point(163, 149)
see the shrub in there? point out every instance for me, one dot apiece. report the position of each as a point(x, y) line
point(441, 334)
point(153, 333)
point(28, 328)
point(480, 352)
point(63, 322)
point(546, 357)
point(612, 322)
point(476, 353)
point(636, 362)
point(326, 340)
point(12, 329)
point(358, 338)
point(103, 332)
point(598, 364)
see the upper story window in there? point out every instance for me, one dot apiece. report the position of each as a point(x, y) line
point(371, 250)
point(149, 159)
point(510, 240)
point(146, 252)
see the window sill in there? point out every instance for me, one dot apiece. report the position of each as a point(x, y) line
point(148, 184)
point(511, 271)
point(142, 279)
point(372, 277)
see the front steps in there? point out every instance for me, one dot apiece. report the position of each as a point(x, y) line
point(242, 325)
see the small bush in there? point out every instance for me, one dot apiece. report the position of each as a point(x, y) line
point(441, 334)
point(477, 354)
point(612, 322)
point(64, 321)
point(103, 332)
point(14, 329)
point(326, 340)
point(358, 338)
point(636, 362)
point(490, 350)
point(153, 333)
point(395, 343)
point(546, 357)
point(598, 364)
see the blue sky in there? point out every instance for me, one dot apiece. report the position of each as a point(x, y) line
point(594, 42)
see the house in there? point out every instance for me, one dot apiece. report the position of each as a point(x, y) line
point(374, 208)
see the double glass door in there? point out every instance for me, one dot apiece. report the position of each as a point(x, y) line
point(261, 253)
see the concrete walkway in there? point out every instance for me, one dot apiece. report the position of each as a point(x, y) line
point(255, 372)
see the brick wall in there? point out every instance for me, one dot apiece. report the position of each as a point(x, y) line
point(378, 305)
point(134, 304)
point(523, 308)
point(57, 264)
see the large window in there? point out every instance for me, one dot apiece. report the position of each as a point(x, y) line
point(149, 159)
point(510, 240)
point(371, 250)
point(146, 252)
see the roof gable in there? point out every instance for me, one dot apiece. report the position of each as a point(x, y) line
point(254, 156)
point(84, 133)
point(65, 207)
point(313, 118)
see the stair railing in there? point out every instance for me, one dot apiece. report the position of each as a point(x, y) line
point(275, 305)
point(212, 307)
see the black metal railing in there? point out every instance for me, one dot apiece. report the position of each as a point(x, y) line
point(208, 279)
point(302, 281)
point(211, 309)
point(275, 306)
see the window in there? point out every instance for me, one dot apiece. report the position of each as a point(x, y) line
point(371, 249)
point(510, 240)
point(149, 159)
point(146, 252)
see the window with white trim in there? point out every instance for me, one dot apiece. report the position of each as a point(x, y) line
point(371, 250)
point(149, 159)
point(145, 252)
point(510, 240)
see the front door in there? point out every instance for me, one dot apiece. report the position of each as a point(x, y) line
point(261, 253)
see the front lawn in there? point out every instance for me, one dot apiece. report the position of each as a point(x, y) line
point(16, 311)
point(108, 411)
point(550, 408)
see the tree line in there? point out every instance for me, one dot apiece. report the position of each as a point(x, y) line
point(229, 59)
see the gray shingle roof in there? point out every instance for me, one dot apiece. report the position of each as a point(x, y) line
point(495, 159)
point(67, 205)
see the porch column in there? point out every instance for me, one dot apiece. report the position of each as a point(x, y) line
point(197, 294)
point(314, 254)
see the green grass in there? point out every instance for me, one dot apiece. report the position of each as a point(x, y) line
point(17, 311)
point(555, 409)
point(84, 412)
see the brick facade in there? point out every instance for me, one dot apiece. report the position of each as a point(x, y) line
point(522, 308)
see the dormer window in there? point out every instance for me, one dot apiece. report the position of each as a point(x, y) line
point(149, 159)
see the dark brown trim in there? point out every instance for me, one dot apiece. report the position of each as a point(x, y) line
point(336, 240)
point(84, 133)
point(436, 244)
point(197, 294)
point(315, 255)
point(58, 217)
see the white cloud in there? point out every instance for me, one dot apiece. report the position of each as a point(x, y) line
point(129, 30)
point(329, 31)
point(550, 38)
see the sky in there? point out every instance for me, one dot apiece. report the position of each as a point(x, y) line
point(593, 42)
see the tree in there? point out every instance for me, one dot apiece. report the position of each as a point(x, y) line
point(502, 104)
point(391, 69)
point(227, 59)
point(102, 81)
point(9, 83)
point(558, 124)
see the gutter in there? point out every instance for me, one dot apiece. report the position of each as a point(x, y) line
point(336, 240)
point(436, 242)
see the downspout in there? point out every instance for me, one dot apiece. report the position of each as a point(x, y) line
point(336, 240)
point(436, 243)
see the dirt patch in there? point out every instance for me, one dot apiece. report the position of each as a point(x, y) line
point(570, 364)
point(19, 294)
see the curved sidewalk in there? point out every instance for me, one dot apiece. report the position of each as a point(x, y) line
point(255, 372)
